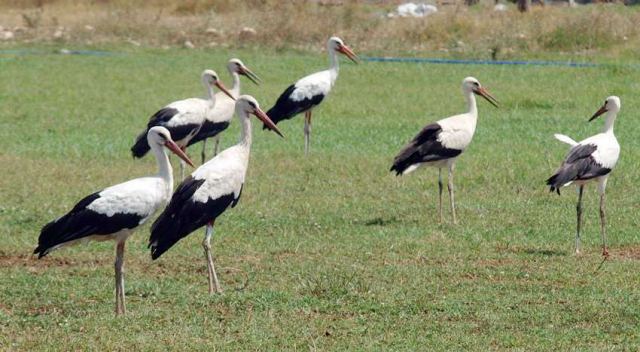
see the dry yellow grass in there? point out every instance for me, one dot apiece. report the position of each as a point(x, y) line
point(456, 30)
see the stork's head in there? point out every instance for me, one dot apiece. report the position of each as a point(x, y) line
point(336, 44)
point(612, 103)
point(472, 85)
point(160, 136)
point(247, 105)
point(235, 65)
point(210, 79)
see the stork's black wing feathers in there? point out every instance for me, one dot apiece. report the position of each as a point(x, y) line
point(160, 118)
point(580, 152)
point(82, 222)
point(424, 147)
point(141, 146)
point(577, 166)
point(183, 216)
point(207, 130)
point(235, 201)
point(285, 108)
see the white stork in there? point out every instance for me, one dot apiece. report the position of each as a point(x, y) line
point(309, 91)
point(115, 212)
point(182, 118)
point(439, 144)
point(218, 119)
point(208, 192)
point(591, 159)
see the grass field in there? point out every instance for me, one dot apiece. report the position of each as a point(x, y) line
point(330, 252)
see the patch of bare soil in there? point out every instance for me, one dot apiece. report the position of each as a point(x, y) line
point(626, 253)
point(545, 252)
point(32, 261)
point(5, 309)
point(45, 310)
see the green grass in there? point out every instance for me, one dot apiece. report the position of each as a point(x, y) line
point(331, 252)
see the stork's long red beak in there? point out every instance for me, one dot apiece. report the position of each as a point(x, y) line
point(600, 111)
point(224, 89)
point(348, 52)
point(267, 121)
point(485, 94)
point(172, 146)
point(250, 75)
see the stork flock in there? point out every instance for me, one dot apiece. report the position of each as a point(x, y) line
point(116, 211)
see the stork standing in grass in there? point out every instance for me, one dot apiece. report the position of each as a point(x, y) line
point(592, 159)
point(183, 118)
point(309, 91)
point(439, 144)
point(208, 192)
point(115, 212)
point(218, 118)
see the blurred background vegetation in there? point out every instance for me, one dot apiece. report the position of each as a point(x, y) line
point(479, 29)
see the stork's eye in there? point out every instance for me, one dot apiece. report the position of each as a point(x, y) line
point(476, 84)
point(253, 105)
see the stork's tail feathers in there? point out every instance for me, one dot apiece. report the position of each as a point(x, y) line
point(158, 248)
point(50, 236)
point(161, 238)
point(402, 165)
point(275, 116)
point(553, 186)
point(398, 170)
point(141, 146)
point(165, 232)
point(564, 176)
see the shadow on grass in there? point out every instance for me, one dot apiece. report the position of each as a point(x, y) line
point(544, 252)
point(380, 221)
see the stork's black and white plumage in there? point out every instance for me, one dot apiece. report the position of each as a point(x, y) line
point(309, 91)
point(440, 143)
point(208, 192)
point(218, 118)
point(183, 118)
point(590, 160)
point(115, 212)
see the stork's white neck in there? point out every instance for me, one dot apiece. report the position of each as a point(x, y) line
point(472, 108)
point(235, 88)
point(164, 167)
point(333, 65)
point(211, 94)
point(609, 120)
point(245, 132)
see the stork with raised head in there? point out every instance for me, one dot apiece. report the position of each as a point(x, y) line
point(309, 91)
point(210, 190)
point(218, 119)
point(439, 144)
point(591, 159)
point(115, 212)
point(183, 118)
